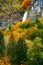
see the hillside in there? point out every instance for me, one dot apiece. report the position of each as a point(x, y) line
point(32, 34)
point(21, 32)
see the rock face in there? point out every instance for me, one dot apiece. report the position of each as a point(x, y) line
point(36, 10)
point(40, 4)
point(11, 19)
point(16, 16)
point(42, 12)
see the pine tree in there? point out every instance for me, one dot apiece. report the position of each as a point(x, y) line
point(21, 51)
point(17, 51)
point(2, 46)
point(11, 49)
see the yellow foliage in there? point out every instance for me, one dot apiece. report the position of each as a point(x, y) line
point(18, 24)
point(24, 32)
point(19, 33)
point(29, 43)
point(2, 14)
point(6, 33)
point(41, 21)
point(27, 22)
point(5, 61)
point(17, 6)
point(30, 32)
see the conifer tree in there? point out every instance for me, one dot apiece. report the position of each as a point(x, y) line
point(2, 45)
point(17, 51)
point(21, 51)
point(11, 49)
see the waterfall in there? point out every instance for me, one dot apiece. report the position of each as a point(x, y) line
point(25, 16)
point(42, 14)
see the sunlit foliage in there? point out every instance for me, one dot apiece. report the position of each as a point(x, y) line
point(27, 3)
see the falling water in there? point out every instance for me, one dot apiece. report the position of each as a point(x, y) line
point(25, 16)
point(42, 14)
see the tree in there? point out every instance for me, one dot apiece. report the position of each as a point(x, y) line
point(2, 45)
point(17, 51)
point(21, 51)
point(11, 49)
point(26, 3)
point(35, 55)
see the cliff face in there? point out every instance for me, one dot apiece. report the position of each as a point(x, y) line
point(6, 21)
point(40, 2)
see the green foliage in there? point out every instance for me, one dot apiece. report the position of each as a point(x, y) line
point(40, 26)
point(11, 49)
point(40, 33)
point(35, 54)
point(21, 51)
point(25, 25)
point(20, 1)
point(17, 51)
point(2, 45)
point(1, 15)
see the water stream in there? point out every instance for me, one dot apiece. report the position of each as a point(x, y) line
point(25, 16)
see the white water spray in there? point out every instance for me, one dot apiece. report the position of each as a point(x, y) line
point(25, 16)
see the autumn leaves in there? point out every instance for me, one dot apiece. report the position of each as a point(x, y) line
point(26, 3)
